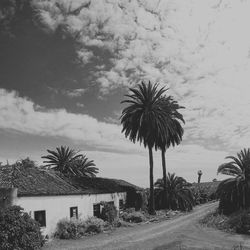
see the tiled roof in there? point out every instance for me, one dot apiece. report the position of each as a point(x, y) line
point(100, 185)
point(6, 177)
point(32, 181)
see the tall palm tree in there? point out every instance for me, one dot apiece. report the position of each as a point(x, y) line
point(62, 159)
point(82, 166)
point(234, 192)
point(143, 120)
point(174, 133)
point(179, 195)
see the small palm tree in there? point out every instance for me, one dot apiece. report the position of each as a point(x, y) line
point(234, 192)
point(199, 175)
point(143, 120)
point(62, 159)
point(174, 133)
point(179, 195)
point(84, 167)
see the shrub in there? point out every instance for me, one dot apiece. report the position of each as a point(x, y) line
point(178, 196)
point(18, 230)
point(94, 225)
point(135, 217)
point(121, 223)
point(216, 220)
point(200, 196)
point(109, 212)
point(238, 222)
point(70, 228)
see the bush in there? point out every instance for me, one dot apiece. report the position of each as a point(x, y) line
point(216, 220)
point(135, 217)
point(201, 196)
point(70, 229)
point(76, 228)
point(109, 212)
point(94, 225)
point(238, 222)
point(18, 230)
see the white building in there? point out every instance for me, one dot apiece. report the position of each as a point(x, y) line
point(49, 198)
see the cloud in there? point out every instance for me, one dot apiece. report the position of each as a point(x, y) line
point(22, 115)
point(80, 105)
point(199, 49)
point(75, 93)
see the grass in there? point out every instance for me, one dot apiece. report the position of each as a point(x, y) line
point(216, 220)
point(238, 222)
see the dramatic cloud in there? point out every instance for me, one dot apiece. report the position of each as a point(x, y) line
point(199, 49)
point(22, 115)
point(75, 93)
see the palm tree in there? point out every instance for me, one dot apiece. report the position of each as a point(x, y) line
point(62, 159)
point(174, 133)
point(179, 196)
point(82, 166)
point(143, 120)
point(234, 192)
point(199, 176)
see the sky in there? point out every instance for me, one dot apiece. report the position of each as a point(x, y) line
point(65, 70)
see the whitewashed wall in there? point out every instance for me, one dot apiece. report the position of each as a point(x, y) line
point(58, 207)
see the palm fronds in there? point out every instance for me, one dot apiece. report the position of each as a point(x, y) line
point(234, 192)
point(69, 162)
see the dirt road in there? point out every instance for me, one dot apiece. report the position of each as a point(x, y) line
point(183, 232)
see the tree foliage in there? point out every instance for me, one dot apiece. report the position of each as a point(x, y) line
point(173, 126)
point(179, 195)
point(69, 162)
point(144, 120)
point(18, 230)
point(234, 192)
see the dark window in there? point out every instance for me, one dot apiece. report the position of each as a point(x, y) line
point(111, 203)
point(40, 217)
point(97, 210)
point(121, 204)
point(74, 212)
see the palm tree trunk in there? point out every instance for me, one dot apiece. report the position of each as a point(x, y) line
point(151, 209)
point(199, 179)
point(163, 159)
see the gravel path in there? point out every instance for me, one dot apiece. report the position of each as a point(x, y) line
point(183, 232)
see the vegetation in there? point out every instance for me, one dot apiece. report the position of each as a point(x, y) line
point(76, 228)
point(84, 167)
point(179, 194)
point(109, 212)
point(69, 162)
point(70, 229)
point(173, 136)
point(144, 120)
point(94, 225)
point(238, 222)
point(133, 216)
point(18, 230)
point(204, 192)
point(234, 192)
